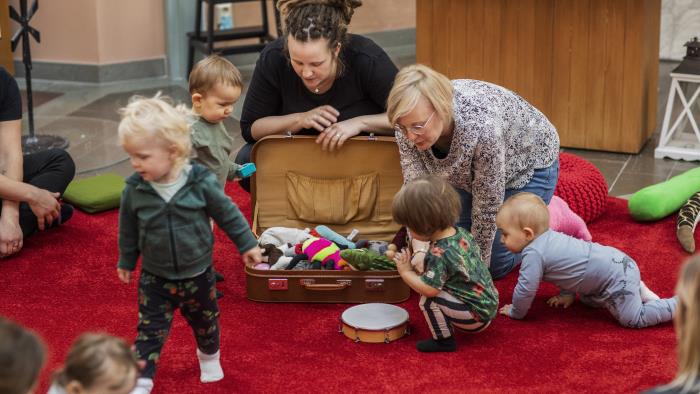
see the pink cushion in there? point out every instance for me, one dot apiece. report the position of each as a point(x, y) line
point(582, 186)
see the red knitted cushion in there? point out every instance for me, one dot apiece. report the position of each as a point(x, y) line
point(582, 186)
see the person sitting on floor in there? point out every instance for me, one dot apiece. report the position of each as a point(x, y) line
point(30, 186)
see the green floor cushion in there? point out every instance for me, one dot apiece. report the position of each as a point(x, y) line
point(95, 194)
point(658, 201)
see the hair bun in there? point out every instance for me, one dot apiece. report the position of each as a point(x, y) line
point(347, 7)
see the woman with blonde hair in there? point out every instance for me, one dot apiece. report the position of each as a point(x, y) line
point(687, 322)
point(485, 140)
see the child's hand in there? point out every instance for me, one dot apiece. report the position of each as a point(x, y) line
point(505, 310)
point(124, 275)
point(252, 257)
point(564, 300)
point(403, 261)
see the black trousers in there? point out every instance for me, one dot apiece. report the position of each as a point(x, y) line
point(159, 298)
point(52, 170)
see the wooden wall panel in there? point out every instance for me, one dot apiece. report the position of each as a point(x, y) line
point(458, 57)
point(544, 37)
point(473, 43)
point(561, 69)
point(491, 37)
point(652, 56)
point(594, 132)
point(508, 44)
point(424, 36)
point(578, 86)
point(591, 66)
point(6, 58)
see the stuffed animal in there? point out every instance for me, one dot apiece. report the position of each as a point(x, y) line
point(367, 260)
point(319, 250)
point(688, 218)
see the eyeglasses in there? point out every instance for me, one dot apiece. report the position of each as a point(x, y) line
point(416, 130)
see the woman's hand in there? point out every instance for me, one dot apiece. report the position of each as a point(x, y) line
point(335, 136)
point(44, 204)
point(318, 118)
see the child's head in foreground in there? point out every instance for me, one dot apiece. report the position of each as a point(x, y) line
point(521, 219)
point(156, 135)
point(215, 86)
point(687, 321)
point(426, 206)
point(21, 358)
point(98, 363)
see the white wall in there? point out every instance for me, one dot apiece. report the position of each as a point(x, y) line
point(680, 21)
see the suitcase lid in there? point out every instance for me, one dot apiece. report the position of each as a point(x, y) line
point(298, 185)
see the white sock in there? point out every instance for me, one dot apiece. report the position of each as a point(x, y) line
point(646, 294)
point(209, 366)
point(143, 386)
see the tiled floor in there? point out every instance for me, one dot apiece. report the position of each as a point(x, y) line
point(87, 115)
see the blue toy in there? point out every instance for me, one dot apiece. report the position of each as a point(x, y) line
point(245, 170)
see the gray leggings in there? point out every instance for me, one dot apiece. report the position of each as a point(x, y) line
point(444, 311)
point(624, 302)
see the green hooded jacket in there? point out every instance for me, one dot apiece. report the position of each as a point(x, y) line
point(175, 239)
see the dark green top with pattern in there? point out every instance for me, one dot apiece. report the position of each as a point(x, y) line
point(454, 264)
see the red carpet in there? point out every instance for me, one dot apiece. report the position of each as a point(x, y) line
point(64, 282)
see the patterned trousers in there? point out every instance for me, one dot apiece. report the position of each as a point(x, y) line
point(445, 312)
point(158, 300)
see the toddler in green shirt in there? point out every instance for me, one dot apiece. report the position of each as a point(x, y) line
point(455, 286)
point(215, 85)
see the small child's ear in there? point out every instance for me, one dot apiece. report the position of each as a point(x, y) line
point(529, 233)
point(197, 99)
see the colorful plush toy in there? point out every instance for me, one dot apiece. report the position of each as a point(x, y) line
point(564, 220)
point(688, 218)
point(662, 199)
point(319, 250)
point(367, 260)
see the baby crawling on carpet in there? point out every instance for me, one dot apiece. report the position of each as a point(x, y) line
point(602, 276)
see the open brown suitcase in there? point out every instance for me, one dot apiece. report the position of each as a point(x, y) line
point(298, 185)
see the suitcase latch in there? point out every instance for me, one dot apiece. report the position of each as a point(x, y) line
point(374, 284)
point(277, 284)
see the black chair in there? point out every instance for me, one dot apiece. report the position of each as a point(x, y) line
point(204, 41)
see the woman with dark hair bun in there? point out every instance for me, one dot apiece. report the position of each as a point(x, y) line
point(317, 79)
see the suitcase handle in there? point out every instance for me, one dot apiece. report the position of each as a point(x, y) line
point(325, 286)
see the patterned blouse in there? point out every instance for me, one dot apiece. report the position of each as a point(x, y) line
point(499, 140)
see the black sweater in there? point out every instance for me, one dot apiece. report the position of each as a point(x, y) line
point(276, 89)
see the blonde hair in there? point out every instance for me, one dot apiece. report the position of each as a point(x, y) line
point(89, 357)
point(426, 205)
point(687, 324)
point(156, 117)
point(416, 81)
point(211, 70)
point(526, 210)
